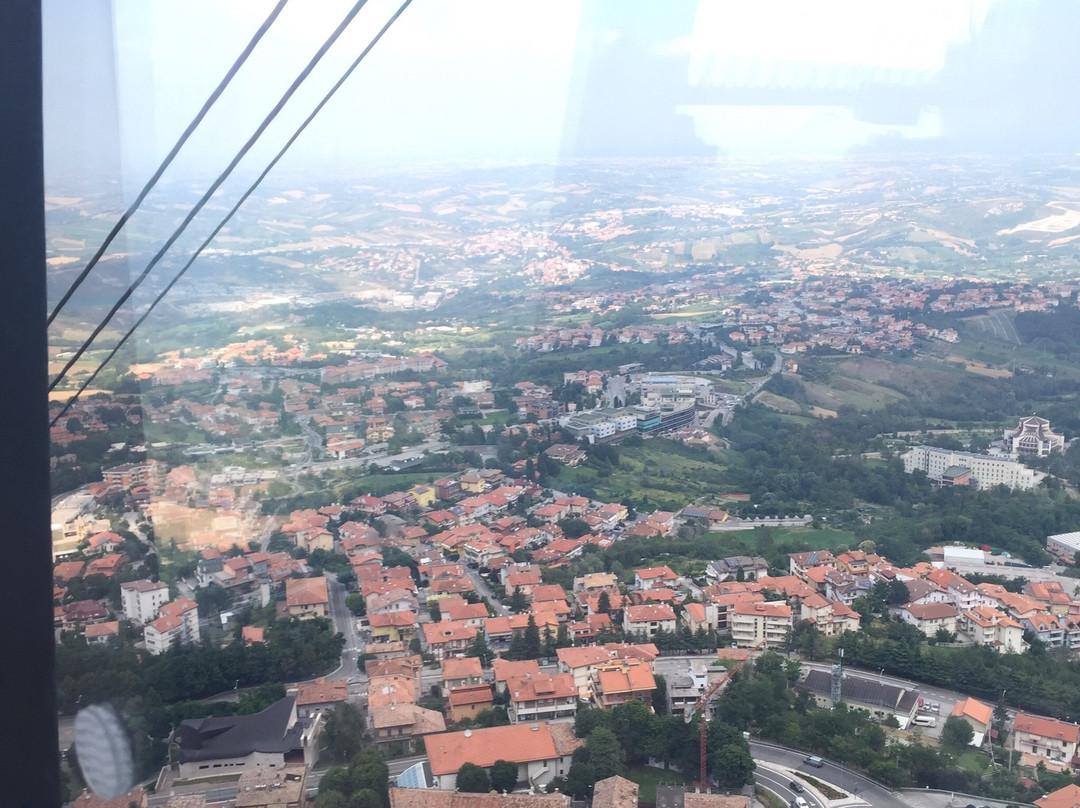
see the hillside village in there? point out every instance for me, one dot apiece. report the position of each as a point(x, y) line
point(464, 631)
point(460, 590)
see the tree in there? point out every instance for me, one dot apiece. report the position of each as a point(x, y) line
point(580, 778)
point(659, 695)
point(343, 736)
point(633, 723)
point(335, 781)
point(518, 650)
point(518, 603)
point(331, 799)
point(504, 775)
point(957, 733)
point(532, 639)
point(473, 779)
point(480, 650)
point(603, 603)
point(365, 798)
point(606, 756)
point(369, 771)
point(732, 766)
point(730, 763)
point(355, 603)
point(898, 593)
point(549, 642)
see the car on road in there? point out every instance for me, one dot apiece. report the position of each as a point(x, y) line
point(799, 802)
point(814, 760)
point(795, 787)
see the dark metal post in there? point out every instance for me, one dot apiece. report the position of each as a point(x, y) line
point(29, 759)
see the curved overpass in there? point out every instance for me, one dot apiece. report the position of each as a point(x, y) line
point(861, 787)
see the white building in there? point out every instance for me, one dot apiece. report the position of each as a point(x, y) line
point(178, 624)
point(987, 470)
point(142, 599)
point(1033, 435)
point(675, 391)
point(1064, 545)
point(755, 623)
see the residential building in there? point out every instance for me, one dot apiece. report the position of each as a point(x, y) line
point(307, 598)
point(754, 624)
point(505, 670)
point(541, 752)
point(654, 578)
point(831, 617)
point(461, 671)
point(1047, 627)
point(1066, 797)
point(614, 792)
point(726, 569)
point(404, 724)
point(314, 697)
point(392, 626)
point(142, 599)
point(930, 618)
point(620, 681)
point(393, 688)
point(977, 714)
point(468, 701)
point(700, 616)
point(428, 798)
point(102, 633)
point(985, 625)
point(448, 638)
point(1045, 739)
point(648, 619)
point(177, 623)
point(542, 697)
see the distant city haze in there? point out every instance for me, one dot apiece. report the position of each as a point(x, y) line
point(487, 80)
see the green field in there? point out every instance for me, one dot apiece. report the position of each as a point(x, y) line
point(843, 390)
point(778, 403)
point(658, 474)
point(790, 539)
point(649, 777)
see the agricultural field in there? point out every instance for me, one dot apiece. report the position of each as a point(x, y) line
point(658, 474)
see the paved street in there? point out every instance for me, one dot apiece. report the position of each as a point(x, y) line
point(345, 623)
point(778, 779)
point(842, 778)
point(484, 590)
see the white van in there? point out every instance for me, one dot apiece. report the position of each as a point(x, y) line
point(924, 721)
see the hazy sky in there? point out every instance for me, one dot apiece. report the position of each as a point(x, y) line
point(554, 79)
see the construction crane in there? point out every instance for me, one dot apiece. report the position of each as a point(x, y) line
point(701, 707)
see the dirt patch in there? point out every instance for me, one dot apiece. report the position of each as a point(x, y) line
point(981, 368)
point(821, 412)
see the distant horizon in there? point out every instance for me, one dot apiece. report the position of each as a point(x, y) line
point(523, 81)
